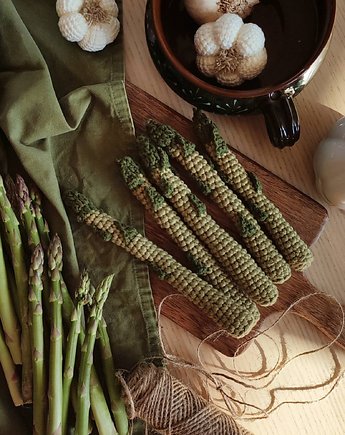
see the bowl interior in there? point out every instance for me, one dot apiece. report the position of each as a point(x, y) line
point(295, 31)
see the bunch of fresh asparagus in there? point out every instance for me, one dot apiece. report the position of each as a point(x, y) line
point(47, 336)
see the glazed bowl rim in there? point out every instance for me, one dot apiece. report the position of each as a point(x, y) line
point(236, 93)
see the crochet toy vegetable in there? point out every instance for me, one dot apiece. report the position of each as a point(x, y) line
point(230, 50)
point(168, 219)
point(91, 23)
point(249, 188)
point(234, 259)
point(229, 314)
point(206, 11)
point(257, 243)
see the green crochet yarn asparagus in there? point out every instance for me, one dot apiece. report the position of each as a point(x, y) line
point(256, 241)
point(233, 316)
point(169, 220)
point(246, 185)
point(230, 254)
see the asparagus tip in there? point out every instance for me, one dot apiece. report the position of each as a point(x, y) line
point(131, 172)
point(79, 203)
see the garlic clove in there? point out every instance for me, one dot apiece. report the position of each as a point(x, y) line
point(110, 6)
point(329, 166)
point(204, 40)
point(95, 39)
point(73, 26)
point(206, 64)
point(66, 6)
point(206, 11)
point(250, 40)
point(112, 30)
point(227, 29)
point(203, 11)
point(252, 66)
point(99, 35)
point(229, 78)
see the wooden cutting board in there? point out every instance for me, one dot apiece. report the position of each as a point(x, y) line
point(307, 216)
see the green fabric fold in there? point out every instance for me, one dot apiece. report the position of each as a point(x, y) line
point(64, 118)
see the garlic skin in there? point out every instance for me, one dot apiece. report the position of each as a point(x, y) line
point(230, 50)
point(329, 166)
point(206, 11)
point(91, 23)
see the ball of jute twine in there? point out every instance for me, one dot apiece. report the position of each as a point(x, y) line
point(170, 407)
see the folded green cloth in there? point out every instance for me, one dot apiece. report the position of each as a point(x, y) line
point(64, 116)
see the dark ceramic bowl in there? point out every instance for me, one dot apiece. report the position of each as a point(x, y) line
point(297, 35)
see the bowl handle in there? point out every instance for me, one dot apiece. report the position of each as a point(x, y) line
point(281, 119)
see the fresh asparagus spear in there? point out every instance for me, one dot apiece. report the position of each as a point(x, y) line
point(246, 185)
point(82, 420)
point(117, 404)
point(8, 315)
point(256, 241)
point(229, 314)
point(10, 372)
point(27, 213)
point(100, 411)
point(55, 355)
point(71, 348)
point(38, 347)
point(14, 240)
point(41, 223)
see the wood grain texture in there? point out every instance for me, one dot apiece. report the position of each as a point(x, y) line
point(307, 216)
point(319, 106)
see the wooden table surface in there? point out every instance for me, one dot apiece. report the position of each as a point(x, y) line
point(320, 104)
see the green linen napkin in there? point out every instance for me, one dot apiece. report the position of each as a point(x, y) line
point(64, 116)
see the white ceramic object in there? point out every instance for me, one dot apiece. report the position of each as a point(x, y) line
point(206, 11)
point(329, 166)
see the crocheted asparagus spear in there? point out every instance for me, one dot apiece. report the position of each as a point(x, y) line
point(230, 254)
point(176, 228)
point(11, 227)
point(37, 334)
point(228, 314)
point(83, 408)
point(248, 187)
point(257, 243)
point(55, 355)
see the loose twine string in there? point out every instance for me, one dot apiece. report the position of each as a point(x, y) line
point(170, 407)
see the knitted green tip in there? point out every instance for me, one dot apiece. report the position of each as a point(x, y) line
point(199, 206)
point(152, 157)
point(248, 228)
point(165, 136)
point(162, 135)
point(79, 204)
point(256, 183)
point(208, 132)
point(157, 200)
point(131, 173)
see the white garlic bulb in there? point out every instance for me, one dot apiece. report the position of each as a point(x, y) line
point(329, 166)
point(91, 23)
point(230, 50)
point(206, 11)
